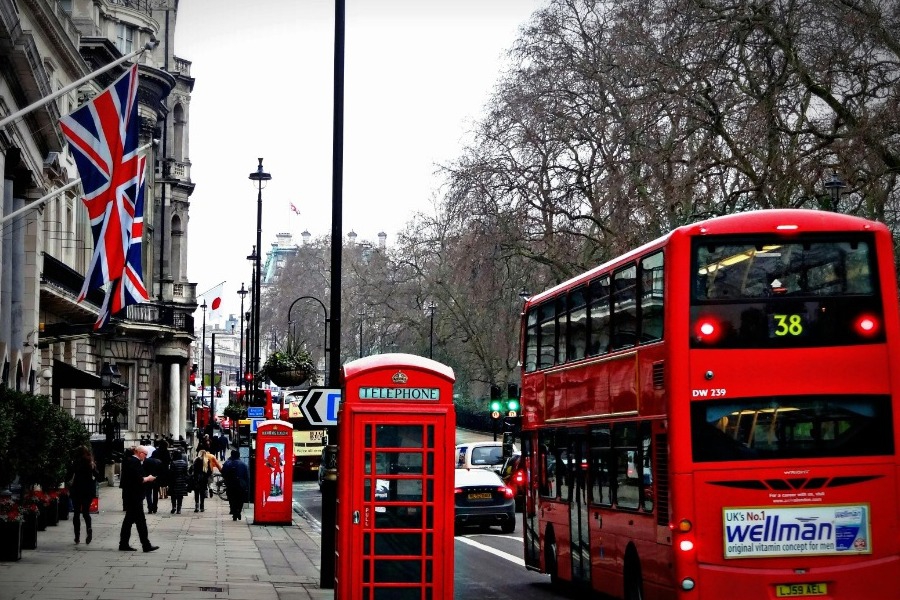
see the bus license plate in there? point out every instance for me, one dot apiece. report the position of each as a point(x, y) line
point(795, 590)
point(480, 496)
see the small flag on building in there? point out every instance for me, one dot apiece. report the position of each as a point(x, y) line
point(294, 209)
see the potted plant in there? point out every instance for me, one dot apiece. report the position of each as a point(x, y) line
point(235, 412)
point(289, 365)
point(10, 530)
point(36, 499)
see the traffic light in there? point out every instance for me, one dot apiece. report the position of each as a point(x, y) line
point(496, 406)
point(512, 407)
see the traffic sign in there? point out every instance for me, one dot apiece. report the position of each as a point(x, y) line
point(254, 423)
point(256, 411)
point(320, 406)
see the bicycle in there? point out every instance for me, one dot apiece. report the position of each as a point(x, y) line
point(218, 485)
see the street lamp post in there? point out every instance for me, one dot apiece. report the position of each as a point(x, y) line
point(430, 308)
point(202, 353)
point(259, 176)
point(361, 314)
point(242, 293)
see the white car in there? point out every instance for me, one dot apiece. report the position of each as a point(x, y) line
point(481, 455)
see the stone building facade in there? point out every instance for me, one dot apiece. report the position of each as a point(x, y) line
point(47, 341)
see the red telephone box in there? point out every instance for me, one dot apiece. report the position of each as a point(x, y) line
point(273, 492)
point(397, 431)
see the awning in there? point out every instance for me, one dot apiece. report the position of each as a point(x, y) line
point(67, 377)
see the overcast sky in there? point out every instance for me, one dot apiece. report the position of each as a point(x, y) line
point(418, 74)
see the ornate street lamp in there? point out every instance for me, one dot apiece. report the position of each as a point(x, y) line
point(833, 186)
point(260, 177)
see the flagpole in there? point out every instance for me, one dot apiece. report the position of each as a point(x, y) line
point(56, 192)
point(150, 45)
point(203, 295)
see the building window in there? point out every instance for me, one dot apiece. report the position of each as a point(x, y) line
point(125, 38)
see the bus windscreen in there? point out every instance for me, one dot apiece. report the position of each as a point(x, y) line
point(776, 293)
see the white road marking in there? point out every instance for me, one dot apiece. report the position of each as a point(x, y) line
point(480, 546)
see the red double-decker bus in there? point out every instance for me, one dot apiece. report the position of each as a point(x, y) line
point(713, 415)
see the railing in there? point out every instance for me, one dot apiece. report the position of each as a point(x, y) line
point(182, 66)
point(145, 6)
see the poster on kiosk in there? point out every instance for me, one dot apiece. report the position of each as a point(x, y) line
point(273, 489)
point(395, 513)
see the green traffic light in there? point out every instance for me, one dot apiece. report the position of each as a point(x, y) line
point(495, 405)
point(512, 404)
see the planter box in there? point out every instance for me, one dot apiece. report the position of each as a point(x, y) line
point(10, 540)
point(29, 532)
point(64, 508)
point(52, 512)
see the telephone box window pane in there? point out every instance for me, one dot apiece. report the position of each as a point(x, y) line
point(398, 436)
point(430, 470)
point(430, 430)
point(429, 512)
point(408, 490)
point(367, 543)
point(368, 463)
point(429, 571)
point(367, 594)
point(429, 491)
point(429, 544)
point(398, 571)
point(368, 442)
point(398, 517)
point(367, 490)
point(398, 544)
point(398, 463)
point(392, 593)
point(367, 567)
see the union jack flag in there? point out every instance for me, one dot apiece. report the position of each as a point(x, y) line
point(103, 136)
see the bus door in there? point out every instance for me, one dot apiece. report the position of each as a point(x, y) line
point(577, 492)
point(531, 536)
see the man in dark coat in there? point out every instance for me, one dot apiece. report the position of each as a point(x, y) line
point(237, 482)
point(133, 480)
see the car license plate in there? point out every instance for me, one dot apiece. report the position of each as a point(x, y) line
point(480, 496)
point(796, 590)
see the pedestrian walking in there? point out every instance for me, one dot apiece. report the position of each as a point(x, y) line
point(83, 475)
point(178, 480)
point(163, 455)
point(133, 480)
point(237, 483)
point(200, 473)
point(152, 466)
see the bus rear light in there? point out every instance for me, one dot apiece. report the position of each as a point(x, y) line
point(520, 477)
point(786, 227)
point(686, 545)
point(684, 526)
point(866, 325)
point(687, 584)
point(707, 329)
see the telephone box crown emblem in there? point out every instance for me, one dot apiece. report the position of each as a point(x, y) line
point(400, 377)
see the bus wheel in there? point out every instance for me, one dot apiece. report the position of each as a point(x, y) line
point(550, 561)
point(634, 581)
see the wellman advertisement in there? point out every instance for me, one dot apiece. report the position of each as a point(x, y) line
point(806, 531)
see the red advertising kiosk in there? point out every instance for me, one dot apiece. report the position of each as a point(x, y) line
point(273, 491)
point(397, 430)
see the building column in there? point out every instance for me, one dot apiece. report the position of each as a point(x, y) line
point(176, 422)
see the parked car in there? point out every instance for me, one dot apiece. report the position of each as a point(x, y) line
point(481, 498)
point(513, 475)
point(481, 455)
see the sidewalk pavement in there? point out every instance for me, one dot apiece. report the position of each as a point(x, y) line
point(201, 555)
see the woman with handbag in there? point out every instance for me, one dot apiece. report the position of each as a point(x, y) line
point(83, 490)
point(178, 480)
point(201, 473)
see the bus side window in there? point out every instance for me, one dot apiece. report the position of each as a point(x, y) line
point(598, 316)
point(602, 485)
point(652, 298)
point(624, 318)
